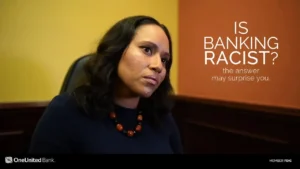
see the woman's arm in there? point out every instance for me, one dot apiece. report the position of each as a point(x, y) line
point(175, 138)
point(52, 133)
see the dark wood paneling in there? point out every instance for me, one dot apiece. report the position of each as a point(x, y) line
point(17, 122)
point(210, 126)
point(207, 126)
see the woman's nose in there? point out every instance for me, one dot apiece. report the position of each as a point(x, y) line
point(156, 63)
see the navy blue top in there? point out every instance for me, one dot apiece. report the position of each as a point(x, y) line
point(63, 128)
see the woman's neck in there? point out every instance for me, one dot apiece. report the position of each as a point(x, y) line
point(124, 97)
point(127, 102)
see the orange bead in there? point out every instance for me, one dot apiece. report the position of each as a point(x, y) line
point(112, 115)
point(130, 133)
point(138, 128)
point(140, 117)
point(119, 127)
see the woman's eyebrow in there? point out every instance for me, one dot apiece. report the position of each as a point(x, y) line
point(153, 45)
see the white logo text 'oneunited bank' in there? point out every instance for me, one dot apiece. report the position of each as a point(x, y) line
point(32, 160)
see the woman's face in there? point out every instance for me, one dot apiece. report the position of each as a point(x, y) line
point(142, 67)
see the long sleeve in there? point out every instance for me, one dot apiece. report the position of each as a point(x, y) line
point(175, 138)
point(51, 135)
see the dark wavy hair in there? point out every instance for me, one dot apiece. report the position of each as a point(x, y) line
point(95, 96)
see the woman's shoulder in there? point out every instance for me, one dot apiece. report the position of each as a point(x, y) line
point(175, 136)
point(62, 99)
point(169, 118)
point(55, 126)
point(169, 122)
point(61, 112)
point(62, 105)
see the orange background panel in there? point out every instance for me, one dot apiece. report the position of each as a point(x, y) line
point(265, 18)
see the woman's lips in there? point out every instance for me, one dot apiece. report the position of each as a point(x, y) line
point(151, 79)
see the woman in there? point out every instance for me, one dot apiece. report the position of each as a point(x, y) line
point(124, 104)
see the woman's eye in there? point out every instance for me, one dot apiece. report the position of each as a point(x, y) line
point(164, 61)
point(147, 50)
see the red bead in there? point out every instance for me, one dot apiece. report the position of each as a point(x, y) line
point(140, 117)
point(138, 128)
point(119, 127)
point(130, 133)
point(112, 115)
